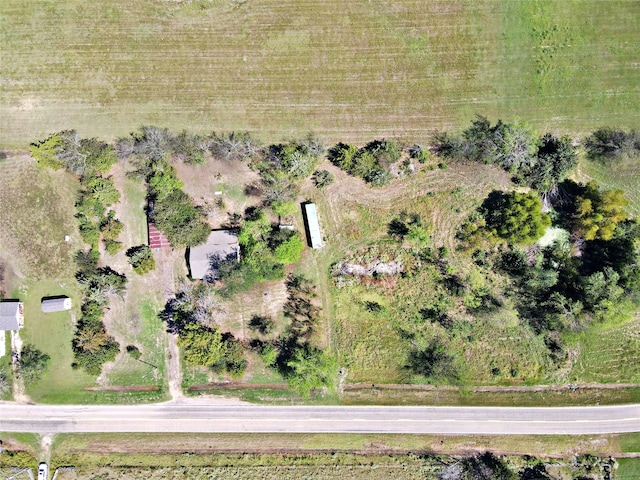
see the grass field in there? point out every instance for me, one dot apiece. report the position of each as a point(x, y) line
point(346, 70)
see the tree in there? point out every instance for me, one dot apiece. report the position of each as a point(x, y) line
point(613, 144)
point(164, 181)
point(45, 152)
point(201, 345)
point(556, 157)
point(111, 228)
point(515, 217)
point(181, 221)
point(597, 213)
point(311, 369)
point(141, 259)
point(289, 251)
point(33, 363)
point(102, 190)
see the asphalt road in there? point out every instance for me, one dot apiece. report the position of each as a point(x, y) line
point(171, 417)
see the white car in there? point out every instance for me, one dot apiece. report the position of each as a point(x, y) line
point(43, 471)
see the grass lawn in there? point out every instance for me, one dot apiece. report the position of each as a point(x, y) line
point(347, 71)
point(628, 469)
point(52, 333)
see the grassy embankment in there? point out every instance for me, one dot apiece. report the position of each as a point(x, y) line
point(346, 71)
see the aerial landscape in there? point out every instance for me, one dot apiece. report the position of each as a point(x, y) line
point(316, 239)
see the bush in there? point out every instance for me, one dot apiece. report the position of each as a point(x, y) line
point(141, 259)
point(32, 364)
point(323, 178)
point(262, 324)
point(134, 352)
point(112, 247)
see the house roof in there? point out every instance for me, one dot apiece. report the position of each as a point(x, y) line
point(313, 226)
point(59, 304)
point(157, 239)
point(220, 245)
point(10, 312)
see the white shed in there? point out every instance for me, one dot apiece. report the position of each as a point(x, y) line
point(55, 304)
point(312, 224)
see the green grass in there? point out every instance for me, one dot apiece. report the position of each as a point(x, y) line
point(628, 469)
point(5, 367)
point(347, 71)
point(52, 333)
point(629, 442)
point(148, 335)
point(37, 212)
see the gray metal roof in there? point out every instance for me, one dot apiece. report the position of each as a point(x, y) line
point(9, 313)
point(59, 304)
point(313, 226)
point(220, 246)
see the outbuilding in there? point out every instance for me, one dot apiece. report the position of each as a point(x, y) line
point(55, 304)
point(312, 225)
point(11, 315)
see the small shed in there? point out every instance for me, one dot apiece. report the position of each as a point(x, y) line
point(11, 315)
point(312, 225)
point(55, 304)
point(221, 246)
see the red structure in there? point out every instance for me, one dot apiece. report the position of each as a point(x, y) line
point(157, 239)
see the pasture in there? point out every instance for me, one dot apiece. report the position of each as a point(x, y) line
point(345, 70)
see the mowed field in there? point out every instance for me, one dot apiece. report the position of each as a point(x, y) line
point(349, 70)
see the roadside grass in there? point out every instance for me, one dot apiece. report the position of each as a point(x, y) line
point(628, 469)
point(396, 69)
point(466, 397)
point(5, 365)
point(37, 208)
point(629, 442)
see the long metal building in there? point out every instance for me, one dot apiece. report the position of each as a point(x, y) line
point(312, 225)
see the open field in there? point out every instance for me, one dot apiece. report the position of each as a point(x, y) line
point(347, 71)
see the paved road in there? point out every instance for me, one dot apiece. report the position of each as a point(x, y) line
point(170, 417)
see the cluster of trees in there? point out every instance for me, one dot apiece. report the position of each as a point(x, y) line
point(306, 367)
point(155, 143)
point(265, 250)
point(513, 217)
point(370, 162)
point(92, 346)
point(191, 314)
point(170, 208)
point(540, 162)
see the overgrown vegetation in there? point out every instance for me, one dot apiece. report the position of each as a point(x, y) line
point(371, 162)
point(141, 259)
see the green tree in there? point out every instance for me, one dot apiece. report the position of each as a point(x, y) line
point(164, 181)
point(597, 213)
point(33, 363)
point(613, 144)
point(103, 190)
point(141, 259)
point(201, 345)
point(181, 221)
point(515, 217)
point(290, 251)
point(111, 228)
point(45, 152)
point(311, 369)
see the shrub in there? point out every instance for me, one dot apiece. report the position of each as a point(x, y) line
point(141, 259)
point(112, 247)
point(134, 352)
point(323, 178)
point(32, 364)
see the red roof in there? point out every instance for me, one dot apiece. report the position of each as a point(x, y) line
point(157, 239)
